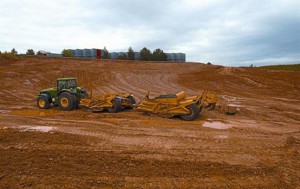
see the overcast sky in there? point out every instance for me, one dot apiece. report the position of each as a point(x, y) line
point(226, 32)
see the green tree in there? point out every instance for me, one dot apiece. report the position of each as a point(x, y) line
point(145, 54)
point(122, 56)
point(40, 52)
point(130, 54)
point(14, 52)
point(30, 52)
point(159, 55)
point(66, 53)
point(105, 53)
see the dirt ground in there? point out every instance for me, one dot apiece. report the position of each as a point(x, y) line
point(256, 148)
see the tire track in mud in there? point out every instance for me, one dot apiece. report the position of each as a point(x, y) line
point(114, 134)
point(118, 134)
point(146, 79)
point(175, 141)
point(144, 83)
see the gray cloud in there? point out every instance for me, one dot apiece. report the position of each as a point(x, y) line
point(227, 32)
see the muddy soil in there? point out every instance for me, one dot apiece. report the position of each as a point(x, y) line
point(258, 147)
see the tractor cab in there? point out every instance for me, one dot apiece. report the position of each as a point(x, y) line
point(66, 83)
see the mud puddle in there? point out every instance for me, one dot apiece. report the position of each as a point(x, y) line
point(216, 125)
point(35, 112)
point(235, 105)
point(43, 129)
point(221, 136)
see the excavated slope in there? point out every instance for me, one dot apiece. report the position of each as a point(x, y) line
point(256, 147)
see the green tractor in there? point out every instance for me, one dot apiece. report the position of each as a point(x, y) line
point(66, 95)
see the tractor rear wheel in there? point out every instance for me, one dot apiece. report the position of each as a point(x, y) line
point(43, 102)
point(116, 106)
point(75, 101)
point(193, 113)
point(66, 101)
point(132, 101)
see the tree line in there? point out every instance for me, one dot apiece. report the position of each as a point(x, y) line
point(10, 54)
point(14, 52)
point(144, 54)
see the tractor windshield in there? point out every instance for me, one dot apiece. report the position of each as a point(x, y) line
point(66, 84)
point(71, 83)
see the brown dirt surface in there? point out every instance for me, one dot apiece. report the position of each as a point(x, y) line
point(258, 147)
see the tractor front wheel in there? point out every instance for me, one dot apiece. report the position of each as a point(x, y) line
point(66, 101)
point(116, 106)
point(43, 102)
point(193, 113)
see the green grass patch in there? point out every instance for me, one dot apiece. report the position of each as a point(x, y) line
point(292, 67)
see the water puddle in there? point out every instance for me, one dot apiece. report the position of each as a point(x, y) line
point(235, 105)
point(35, 112)
point(288, 100)
point(216, 125)
point(221, 136)
point(43, 129)
point(229, 98)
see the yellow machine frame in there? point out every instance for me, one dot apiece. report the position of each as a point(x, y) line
point(99, 103)
point(178, 104)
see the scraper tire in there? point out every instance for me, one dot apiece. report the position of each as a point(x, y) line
point(116, 106)
point(193, 113)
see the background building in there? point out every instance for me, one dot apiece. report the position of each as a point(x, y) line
point(98, 54)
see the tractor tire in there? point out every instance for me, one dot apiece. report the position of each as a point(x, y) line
point(193, 114)
point(43, 102)
point(66, 101)
point(76, 102)
point(132, 101)
point(117, 106)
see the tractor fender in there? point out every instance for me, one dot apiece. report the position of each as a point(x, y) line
point(46, 95)
point(66, 91)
